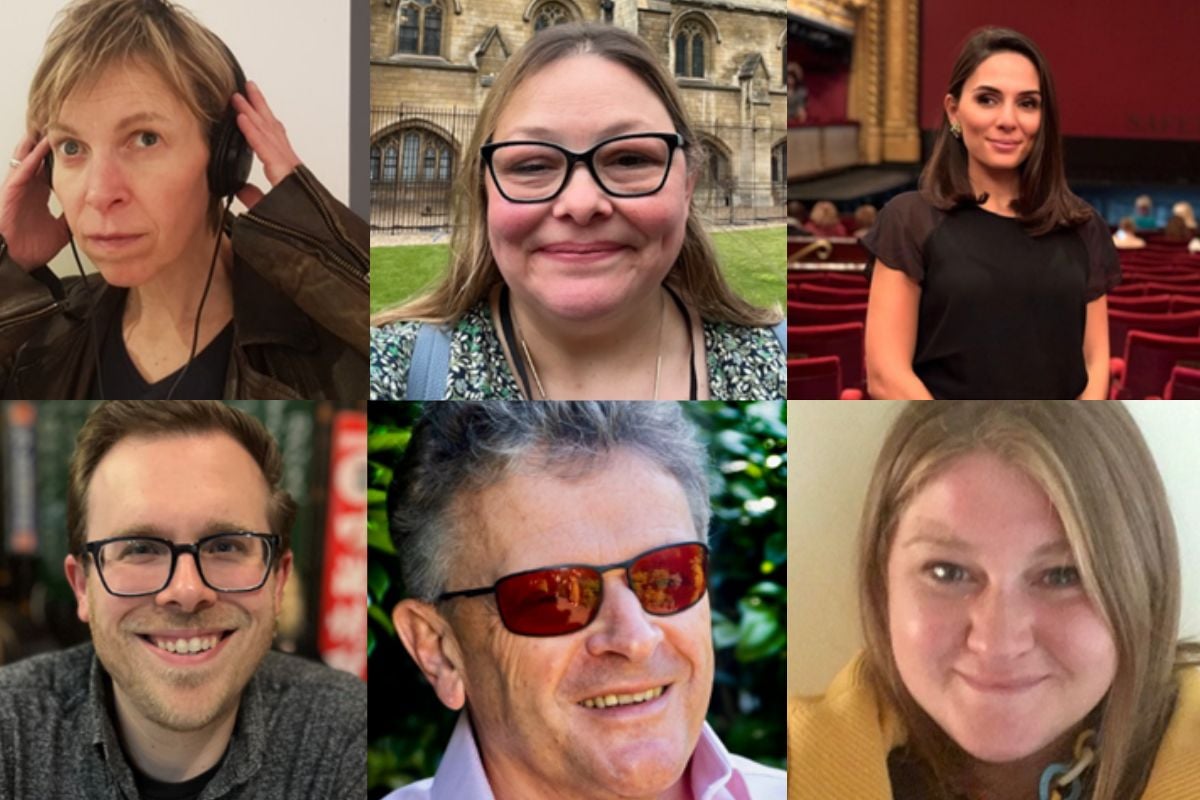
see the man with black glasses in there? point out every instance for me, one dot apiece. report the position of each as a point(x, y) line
point(179, 541)
point(557, 561)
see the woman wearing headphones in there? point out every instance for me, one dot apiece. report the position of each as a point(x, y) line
point(133, 127)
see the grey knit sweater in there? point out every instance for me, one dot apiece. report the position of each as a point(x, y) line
point(301, 732)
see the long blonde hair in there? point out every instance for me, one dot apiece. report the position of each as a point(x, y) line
point(696, 274)
point(1093, 464)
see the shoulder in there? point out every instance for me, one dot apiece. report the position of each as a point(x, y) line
point(421, 790)
point(763, 782)
point(42, 690)
point(63, 672)
point(744, 363)
point(391, 356)
point(282, 677)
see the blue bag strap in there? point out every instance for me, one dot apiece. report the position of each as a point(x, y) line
point(780, 332)
point(430, 367)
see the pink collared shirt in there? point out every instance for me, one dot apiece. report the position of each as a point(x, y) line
point(716, 774)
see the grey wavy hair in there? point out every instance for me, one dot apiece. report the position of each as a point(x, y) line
point(459, 447)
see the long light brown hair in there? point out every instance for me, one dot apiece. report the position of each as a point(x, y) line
point(696, 274)
point(1093, 464)
point(1045, 202)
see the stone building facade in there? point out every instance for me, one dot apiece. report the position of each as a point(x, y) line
point(433, 61)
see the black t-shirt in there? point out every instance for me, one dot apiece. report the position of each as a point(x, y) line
point(205, 379)
point(151, 789)
point(1002, 313)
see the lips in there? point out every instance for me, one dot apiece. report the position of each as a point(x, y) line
point(187, 646)
point(582, 248)
point(614, 698)
point(1001, 684)
point(113, 241)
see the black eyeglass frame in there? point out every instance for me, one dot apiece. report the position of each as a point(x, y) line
point(674, 141)
point(601, 570)
point(272, 540)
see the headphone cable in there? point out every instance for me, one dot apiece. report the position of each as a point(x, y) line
point(200, 310)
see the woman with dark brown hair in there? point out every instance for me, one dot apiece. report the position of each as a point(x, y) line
point(994, 273)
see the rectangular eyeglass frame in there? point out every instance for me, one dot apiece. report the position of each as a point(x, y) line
point(674, 141)
point(272, 540)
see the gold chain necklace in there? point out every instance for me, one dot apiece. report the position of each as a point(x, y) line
point(662, 314)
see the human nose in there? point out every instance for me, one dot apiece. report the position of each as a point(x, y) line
point(622, 626)
point(582, 198)
point(105, 182)
point(1001, 624)
point(186, 589)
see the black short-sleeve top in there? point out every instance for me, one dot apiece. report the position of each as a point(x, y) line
point(1002, 313)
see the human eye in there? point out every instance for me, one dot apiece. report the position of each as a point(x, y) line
point(144, 139)
point(68, 148)
point(1064, 577)
point(984, 99)
point(946, 573)
point(1032, 104)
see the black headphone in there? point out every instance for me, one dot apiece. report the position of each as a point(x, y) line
point(229, 155)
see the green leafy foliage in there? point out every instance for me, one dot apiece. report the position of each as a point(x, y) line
point(748, 479)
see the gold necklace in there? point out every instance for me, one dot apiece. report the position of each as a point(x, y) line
point(662, 314)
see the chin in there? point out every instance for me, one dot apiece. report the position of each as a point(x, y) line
point(124, 274)
point(1001, 744)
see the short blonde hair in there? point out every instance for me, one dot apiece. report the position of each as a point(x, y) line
point(696, 274)
point(1093, 464)
point(93, 35)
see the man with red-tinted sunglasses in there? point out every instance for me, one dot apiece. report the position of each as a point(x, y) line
point(557, 562)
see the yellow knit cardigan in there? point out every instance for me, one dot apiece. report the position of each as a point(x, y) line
point(838, 743)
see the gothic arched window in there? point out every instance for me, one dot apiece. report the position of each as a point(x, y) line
point(419, 27)
point(689, 50)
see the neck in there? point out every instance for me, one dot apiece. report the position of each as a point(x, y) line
point(171, 755)
point(613, 356)
point(159, 322)
point(1020, 779)
point(1002, 186)
point(516, 785)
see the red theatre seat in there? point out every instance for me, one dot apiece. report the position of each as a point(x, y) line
point(1184, 384)
point(825, 314)
point(844, 341)
point(1149, 359)
point(827, 295)
point(1145, 304)
point(817, 379)
point(1120, 323)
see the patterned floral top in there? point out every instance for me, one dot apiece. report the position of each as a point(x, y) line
point(743, 363)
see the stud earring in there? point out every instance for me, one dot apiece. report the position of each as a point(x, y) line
point(956, 129)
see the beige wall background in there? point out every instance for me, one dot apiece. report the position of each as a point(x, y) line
point(832, 448)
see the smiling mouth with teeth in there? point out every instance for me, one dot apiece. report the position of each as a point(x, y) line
point(184, 646)
point(613, 700)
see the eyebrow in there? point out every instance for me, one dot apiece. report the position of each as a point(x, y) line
point(997, 91)
point(951, 542)
point(126, 122)
point(156, 531)
point(613, 129)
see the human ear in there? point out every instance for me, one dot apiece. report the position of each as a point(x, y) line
point(951, 107)
point(77, 577)
point(430, 640)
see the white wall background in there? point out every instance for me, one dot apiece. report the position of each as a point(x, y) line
point(832, 448)
point(297, 51)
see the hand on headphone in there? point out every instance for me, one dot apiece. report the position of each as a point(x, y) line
point(267, 137)
point(33, 234)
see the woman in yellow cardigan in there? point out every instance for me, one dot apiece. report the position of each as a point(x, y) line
point(1019, 587)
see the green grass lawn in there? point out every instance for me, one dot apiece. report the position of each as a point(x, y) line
point(753, 262)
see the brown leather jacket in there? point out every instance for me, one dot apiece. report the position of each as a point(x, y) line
point(301, 298)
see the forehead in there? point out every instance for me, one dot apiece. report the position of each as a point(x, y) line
point(981, 503)
point(118, 91)
point(587, 95)
point(179, 485)
point(600, 513)
point(1011, 73)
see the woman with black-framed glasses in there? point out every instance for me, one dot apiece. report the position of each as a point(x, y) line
point(579, 269)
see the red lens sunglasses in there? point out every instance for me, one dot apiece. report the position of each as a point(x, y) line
point(552, 601)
